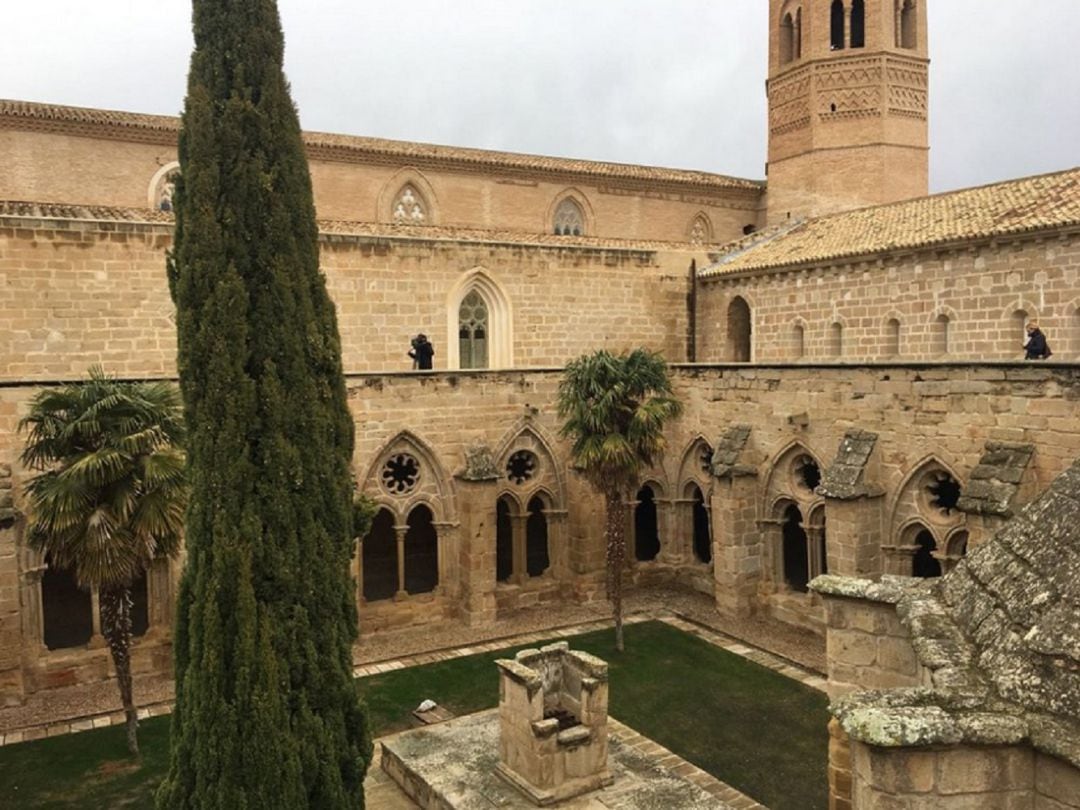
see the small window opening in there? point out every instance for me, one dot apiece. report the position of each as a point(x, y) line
point(941, 334)
point(836, 340)
point(739, 328)
point(749, 229)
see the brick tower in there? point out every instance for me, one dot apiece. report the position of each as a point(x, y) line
point(847, 105)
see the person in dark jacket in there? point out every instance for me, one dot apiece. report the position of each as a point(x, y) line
point(1035, 346)
point(421, 352)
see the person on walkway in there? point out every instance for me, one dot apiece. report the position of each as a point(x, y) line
point(421, 352)
point(1035, 345)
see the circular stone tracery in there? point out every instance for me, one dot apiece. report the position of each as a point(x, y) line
point(400, 474)
point(705, 454)
point(521, 466)
point(939, 493)
point(805, 473)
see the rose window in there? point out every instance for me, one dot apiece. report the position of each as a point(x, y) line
point(400, 474)
point(521, 466)
point(940, 492)
point(806, 473)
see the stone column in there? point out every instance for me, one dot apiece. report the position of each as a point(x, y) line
point(478, 489)
point(853, 507)
point(518, 526)
point(399, 533)
point(736, 543)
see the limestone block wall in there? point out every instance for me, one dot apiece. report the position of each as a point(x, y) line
point(984, 292)
point(867, 647)
point(96, 157)
point(923, 415)
point(78, 293)
point(962, 777)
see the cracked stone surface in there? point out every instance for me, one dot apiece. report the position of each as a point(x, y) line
point(1000, 636)
point(452, 765)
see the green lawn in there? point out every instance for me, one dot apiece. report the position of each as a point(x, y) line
point(749, 726)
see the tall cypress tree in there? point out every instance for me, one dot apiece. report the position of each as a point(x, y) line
point(266, 712)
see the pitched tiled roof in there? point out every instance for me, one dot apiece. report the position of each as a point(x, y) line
point(56, 116)
point(136, 216)
point(1002, 209)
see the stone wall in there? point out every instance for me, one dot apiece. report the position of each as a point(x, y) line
point(75, 293)
point(93, 164)
point(962, 777)
point(984, 291)
point(923, 415)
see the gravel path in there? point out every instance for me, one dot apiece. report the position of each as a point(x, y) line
point(806, 649)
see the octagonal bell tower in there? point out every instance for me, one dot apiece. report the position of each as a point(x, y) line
point(848, 93)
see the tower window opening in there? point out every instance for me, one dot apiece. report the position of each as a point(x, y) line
point(836, 339)
point(906, 35)
point(799, 339)
point(941, 335)
point(797, 34)
point(836, 26)
point(739, 330)
point(858, 24)
point(787, 40)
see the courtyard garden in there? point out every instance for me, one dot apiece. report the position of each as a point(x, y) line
point(751, 727)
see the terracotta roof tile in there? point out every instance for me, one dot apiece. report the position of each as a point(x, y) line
point(1009, 208)
point(384, 148)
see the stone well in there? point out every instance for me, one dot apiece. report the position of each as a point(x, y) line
point(553, 706)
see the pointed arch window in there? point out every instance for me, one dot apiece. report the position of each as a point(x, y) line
point(569, 218)
point(836, 26)
point(858, 23)
point(409, 207)
point(473, 331)
point(700, 230)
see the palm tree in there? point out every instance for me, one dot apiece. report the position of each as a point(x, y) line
point(110, 494)
point(614, 409)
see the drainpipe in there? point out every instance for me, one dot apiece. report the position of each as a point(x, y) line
point(691, 315)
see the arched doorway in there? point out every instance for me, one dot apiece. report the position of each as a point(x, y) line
point(379, 556)
point(646, 526)
point(421, 552)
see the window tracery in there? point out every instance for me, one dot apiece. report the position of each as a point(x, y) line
point(473, 331)
point(521, 466)
point(409, 207)
point(569, 219)
point(163, 196)
point(400, 474)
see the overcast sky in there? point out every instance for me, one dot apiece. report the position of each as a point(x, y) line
point(677, 83)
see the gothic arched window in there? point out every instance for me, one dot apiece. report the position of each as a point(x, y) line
point(836, 26)
point(473, 331)
point(858, 23)
point(569, 218)
point(700, 230)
